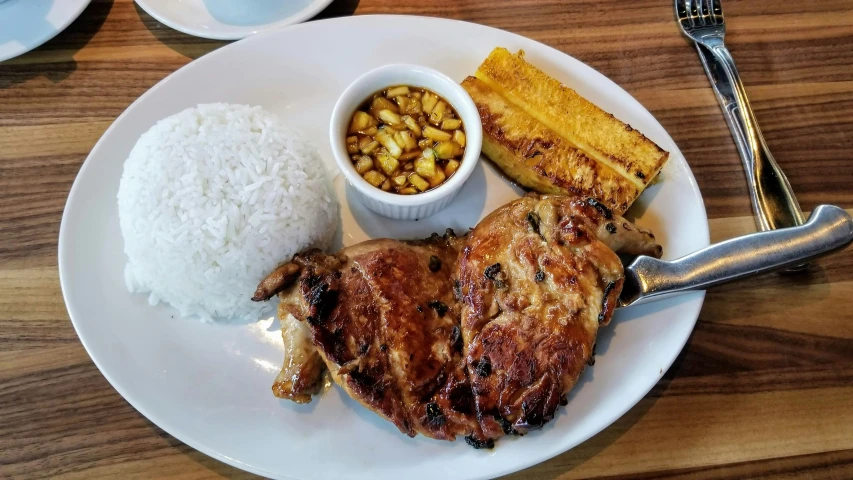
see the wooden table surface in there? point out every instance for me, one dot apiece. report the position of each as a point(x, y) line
point(764, 388)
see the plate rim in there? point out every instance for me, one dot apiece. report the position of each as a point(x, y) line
point(188, 438)
point(72, 16)
point(314, 8)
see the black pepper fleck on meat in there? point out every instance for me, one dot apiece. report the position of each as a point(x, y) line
point(563, 400)
point(611, 228)
point(363, 348)
point(434, 264)
point(457, 290)
point(640, 175)
point(456, 338)
point(484, 367)
point(533, 220)
point(600, 207)
point(478, 444)
point(419, 308)
point(540, 276)
point(383, 347)
point(434, 414)
point(439, 307)
point(492, 271)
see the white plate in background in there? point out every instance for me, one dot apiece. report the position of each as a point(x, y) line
point(230, 19)
point(209, 385)
point(27, 24)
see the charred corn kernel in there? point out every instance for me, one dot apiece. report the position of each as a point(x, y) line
point(428, 102)
point(386, 141)
point(418, 182)
point(412, 125)
point(437, 114)
point(444, 150)
point(438, 178)
point(408, 191)
point(374, 178)
point(381, 103)
point(451, 124)
point(400, 180)
point(390, 117)
point(435, 134)
point(397, 91)
point(370, 147)
point(364, 165)
point(451, 167)
point(425, 167)
point(361, 122)
point(386, 185)
point(459, 137)
point(387, 163)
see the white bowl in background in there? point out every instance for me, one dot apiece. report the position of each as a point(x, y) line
point(392, 205)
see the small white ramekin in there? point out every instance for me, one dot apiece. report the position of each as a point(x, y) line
point(392, 205)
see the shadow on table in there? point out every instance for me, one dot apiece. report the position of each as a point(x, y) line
point(64, 46)
point(194, 47)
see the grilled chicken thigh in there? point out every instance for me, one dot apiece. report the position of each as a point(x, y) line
point(537, 278)
point(384, 319)
point(475, 336)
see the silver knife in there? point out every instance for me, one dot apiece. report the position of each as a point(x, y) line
point(828, 229)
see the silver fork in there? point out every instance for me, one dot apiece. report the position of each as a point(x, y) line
point(773, 200)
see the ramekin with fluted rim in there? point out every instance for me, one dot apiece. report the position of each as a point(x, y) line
point(392, 205)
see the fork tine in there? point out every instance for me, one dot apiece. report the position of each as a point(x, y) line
point(707, 12)
point(717, 11)
point(680, 10)
point(694, 13)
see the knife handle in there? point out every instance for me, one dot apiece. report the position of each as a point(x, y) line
point(773, 200)
point(829, 228)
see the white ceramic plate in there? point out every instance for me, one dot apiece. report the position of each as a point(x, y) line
point(26, 24)
point(230, 19)
point(209, 385)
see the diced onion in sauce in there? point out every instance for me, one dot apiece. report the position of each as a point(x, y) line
point(406, 140)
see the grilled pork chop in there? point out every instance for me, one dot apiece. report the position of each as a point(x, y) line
point(384, 319)
point(537, 277)
point(532, 284)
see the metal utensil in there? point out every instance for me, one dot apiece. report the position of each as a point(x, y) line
point(829, 228)
point(773, 200)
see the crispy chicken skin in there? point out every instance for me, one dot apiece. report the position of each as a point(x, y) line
point(302, 370)
point(383, 317)
point(537, 278)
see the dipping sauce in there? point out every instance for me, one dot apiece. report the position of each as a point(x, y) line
point(406, 140)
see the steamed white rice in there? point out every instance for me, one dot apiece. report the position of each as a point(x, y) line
point(211, 200)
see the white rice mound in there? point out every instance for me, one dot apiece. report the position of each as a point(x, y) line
point(214, 198)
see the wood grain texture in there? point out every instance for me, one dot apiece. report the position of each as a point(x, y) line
point(761, 390)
